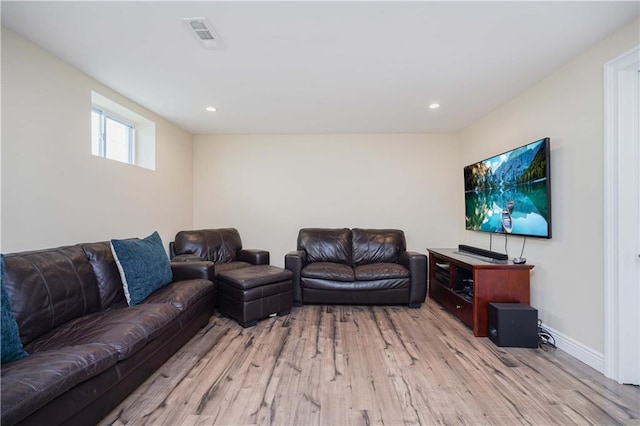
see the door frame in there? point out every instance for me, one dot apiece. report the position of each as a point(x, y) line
point(621, 206)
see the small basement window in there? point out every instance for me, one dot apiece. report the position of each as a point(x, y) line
point(120, 134)
point(111, 137)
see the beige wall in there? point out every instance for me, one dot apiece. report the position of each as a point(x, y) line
point(54, 192)
point(270, 186)
point(567, 106)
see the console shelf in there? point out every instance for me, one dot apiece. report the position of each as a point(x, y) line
point(465, 285)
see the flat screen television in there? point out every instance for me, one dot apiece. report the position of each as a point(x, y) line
point(510, 193)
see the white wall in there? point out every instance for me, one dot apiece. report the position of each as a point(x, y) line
point(270, 186)
point(54, 192)
point(567, 106)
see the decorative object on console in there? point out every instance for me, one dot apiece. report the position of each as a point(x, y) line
point(144, 266)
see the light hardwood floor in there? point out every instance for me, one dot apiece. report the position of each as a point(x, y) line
point(349, 365)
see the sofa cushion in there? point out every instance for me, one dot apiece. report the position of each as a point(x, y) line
point(126, 330)
point(48, 288)
point(254, 276)
point(380, 271)
point(215, 245)
point(326, 245)
point(188, 258)
point(328, 271)
point(181, 294)
point(10, 340)
point(27, 386)
point(385, 284)
point(144, 266)
point(377, 245)
point(104, 266)
point(229, 266)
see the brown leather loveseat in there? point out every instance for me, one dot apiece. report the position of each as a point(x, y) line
point(87, 348)
point(358, 266)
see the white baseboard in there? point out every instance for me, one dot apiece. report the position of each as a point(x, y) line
point(577, 350)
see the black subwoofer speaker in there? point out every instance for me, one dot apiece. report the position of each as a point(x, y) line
point(513, 325)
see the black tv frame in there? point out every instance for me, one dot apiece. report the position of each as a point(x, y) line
point(510, 186)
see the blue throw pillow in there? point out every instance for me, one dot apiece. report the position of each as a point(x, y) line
point(11, 344)
point(144, 266)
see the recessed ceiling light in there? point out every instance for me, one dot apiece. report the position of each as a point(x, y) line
point(211, 109)
point(434, 106)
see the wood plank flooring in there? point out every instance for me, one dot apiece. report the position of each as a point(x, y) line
point(358, 365)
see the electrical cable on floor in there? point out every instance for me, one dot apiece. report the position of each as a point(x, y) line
point(545, 339)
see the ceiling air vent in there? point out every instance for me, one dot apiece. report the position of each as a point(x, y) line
point(204, 32)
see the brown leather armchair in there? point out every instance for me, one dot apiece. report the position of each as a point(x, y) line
point(222, 246)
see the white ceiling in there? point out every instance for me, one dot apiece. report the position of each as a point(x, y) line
point(319, 67)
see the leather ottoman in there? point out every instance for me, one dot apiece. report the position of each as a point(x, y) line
point(255, 292)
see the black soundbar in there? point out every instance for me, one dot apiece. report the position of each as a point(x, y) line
point(482, 252)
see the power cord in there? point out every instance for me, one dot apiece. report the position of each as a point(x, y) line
point(523, 243)
point(545, 339)
point(505, 244)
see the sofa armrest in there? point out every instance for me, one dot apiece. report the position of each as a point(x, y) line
point(416, 263)
point(192, 271)
point(255, 257)
point(188, 257)
point(295, 261)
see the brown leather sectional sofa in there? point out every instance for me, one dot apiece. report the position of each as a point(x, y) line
point(356, 266)
point(87, 348)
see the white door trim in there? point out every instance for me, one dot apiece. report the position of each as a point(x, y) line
point(620, 177)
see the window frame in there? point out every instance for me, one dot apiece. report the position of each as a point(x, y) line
point(104, 115)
